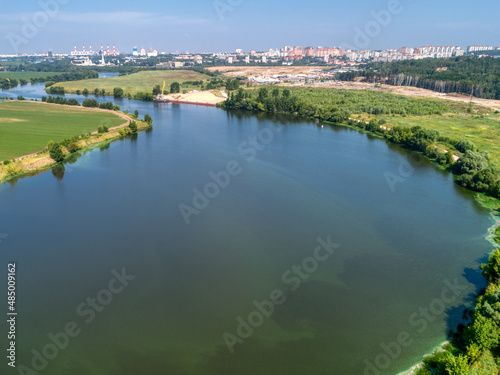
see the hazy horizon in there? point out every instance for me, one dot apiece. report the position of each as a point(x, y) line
point(225, 25)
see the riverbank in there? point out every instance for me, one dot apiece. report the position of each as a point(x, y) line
point(208, 98)
point(486, 202)
point(415, 368)
point(391, 116)
point(27, 126)
point(453, 154)
point(162, 167)
point(40, 161)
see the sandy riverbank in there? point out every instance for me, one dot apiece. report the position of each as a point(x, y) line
point(211, 98)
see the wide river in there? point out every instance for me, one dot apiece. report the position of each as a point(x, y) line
point(160, 254)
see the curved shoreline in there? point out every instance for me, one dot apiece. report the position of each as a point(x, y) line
point(494, 214)
point(112, 139)
point(41, 161)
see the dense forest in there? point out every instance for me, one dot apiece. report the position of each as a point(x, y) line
point(466, 75)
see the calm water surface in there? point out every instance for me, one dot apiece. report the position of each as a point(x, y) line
point(193, 284)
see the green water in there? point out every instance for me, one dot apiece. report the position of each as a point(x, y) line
point(119, 208)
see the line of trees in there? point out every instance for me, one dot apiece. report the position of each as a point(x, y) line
point(465, 75)
point(90, 103)
point(73, 75)
point(59, 100)
point(229, 84)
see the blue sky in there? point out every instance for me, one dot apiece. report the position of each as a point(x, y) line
point(224, 25)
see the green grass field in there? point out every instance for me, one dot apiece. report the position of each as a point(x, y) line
point(26, 75)
point(483, 131)
point(26, 127)
point(137, 82)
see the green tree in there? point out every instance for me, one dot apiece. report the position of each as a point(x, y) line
point(133, 127)
point(118, 92)
point(56, 153)
point(473, 352)
point(472, 162)
point(148, 119)
point(232, 84)
point(483, 332)
point(12, 170)
point(449, 158)
point(464, 145)
point(156, 90)
point(56, 90)
point(72, 147)
point(263, 92)
point(457, 365)
point(175, 88)
point(491, 269)
point(490, 304)
point(91, 103)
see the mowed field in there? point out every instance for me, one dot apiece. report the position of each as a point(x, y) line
point(26, 127)
point(136, 82)
point(26, 75)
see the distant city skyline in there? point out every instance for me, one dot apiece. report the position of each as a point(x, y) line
point(225, 25)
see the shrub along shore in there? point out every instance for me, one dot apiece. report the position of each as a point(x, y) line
point(474, 348)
